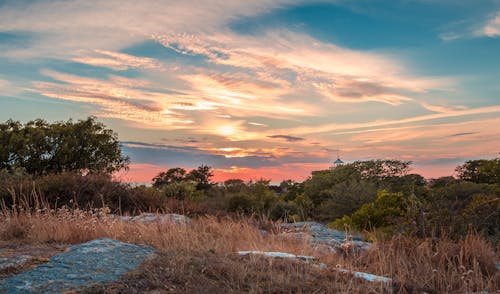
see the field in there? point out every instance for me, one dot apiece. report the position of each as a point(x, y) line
point(201, 257)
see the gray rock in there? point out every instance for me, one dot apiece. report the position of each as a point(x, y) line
point(14, 261)
point(366, 276)
point(94, 262)
point(319, 234)
point(153, 217)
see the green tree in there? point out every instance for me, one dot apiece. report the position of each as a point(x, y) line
point(291, 189)
point(482, 171)
point(234, 185)
point(172, 175)
point(201, 176)
point(389, 212)
point(38, 147)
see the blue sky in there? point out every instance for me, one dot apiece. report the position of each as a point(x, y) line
point(270, 88)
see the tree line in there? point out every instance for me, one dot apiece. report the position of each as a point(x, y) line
point(71, 163)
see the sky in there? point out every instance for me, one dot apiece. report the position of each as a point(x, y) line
point(269, 89)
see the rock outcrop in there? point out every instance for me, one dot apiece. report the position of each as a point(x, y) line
point(97, 261)
point(319, 234)
point(154, 218)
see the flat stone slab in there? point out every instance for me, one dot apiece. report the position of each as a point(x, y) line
point(320, 234)
point(274, 254)
point(14, 261)
point(94, 262)
point(168, 218)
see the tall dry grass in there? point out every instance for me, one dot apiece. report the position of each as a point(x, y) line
point(200, 257)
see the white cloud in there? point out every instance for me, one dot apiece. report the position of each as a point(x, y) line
point(115, 24)
point(333, 72)
point(492, 27)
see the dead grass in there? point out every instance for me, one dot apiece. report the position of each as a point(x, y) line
point(200, 257)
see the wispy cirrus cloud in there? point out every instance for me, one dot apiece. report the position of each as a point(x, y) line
point(332, 72)
point(117, 61)
point(381, 123)
point(117, 97)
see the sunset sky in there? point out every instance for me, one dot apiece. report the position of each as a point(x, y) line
point(262, 89)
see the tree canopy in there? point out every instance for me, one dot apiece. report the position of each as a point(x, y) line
point(39, 147)
point(481, 171)
point(200, 177)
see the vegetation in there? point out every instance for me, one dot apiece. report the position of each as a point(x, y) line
point(438, 235)
point(41, 148)
point(204, 253)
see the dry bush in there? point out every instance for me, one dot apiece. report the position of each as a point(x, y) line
point(435, 265)
point(200, 256)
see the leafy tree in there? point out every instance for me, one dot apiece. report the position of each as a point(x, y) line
point(234, 185)
point(181, 190)
point(291, 189)
point(382, 169)
point(458, 204)
point(442, 182)
point(345, 198)
point(39, 147)
point(201, 176)
point(172, 175)
point(389, 211)
point(480, 171)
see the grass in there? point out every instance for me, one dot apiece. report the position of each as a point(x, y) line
point(201, 257)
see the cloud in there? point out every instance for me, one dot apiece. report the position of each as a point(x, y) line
point(492, 27)
point(286, 138)
point(118, 97)
point(463, 134)
point(4, 85)
point(118, 61)
point(340, 74)
point(441, 108)
point(112, 25)
point(325, 128)
point(9, 88)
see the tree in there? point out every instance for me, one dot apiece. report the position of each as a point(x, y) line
point(482, 171)
point(173, 175)
point(201, 176)
point(234, 185)
point(39, 147)
point(382, 169)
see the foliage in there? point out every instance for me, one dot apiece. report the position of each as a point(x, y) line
point(41, 148)
point(480, 171)
point(172, 175)
point(382, 169)
point(386, 212)
point(200, 177)
point(181, 190)
point(343, 190)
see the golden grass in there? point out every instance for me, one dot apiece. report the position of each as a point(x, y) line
point(201, 257)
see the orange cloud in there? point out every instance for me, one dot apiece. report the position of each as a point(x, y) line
point(118, 61)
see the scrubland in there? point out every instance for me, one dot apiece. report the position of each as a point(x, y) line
point(201, 257)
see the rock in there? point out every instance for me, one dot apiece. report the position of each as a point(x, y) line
point(153, 217)
point(276, 255)
point(14, 261)
point(319, 234)
point(94, 262)
point(364, 276)
point(361, 275)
